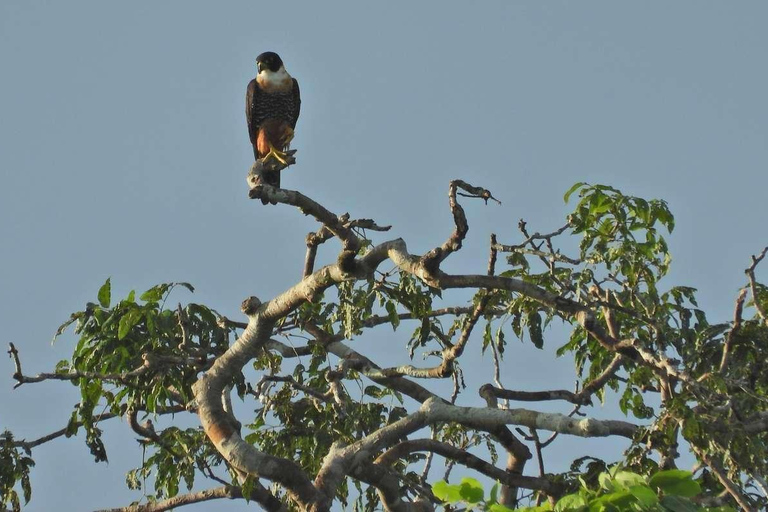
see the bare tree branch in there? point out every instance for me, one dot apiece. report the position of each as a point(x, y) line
point(324, 234)
point(753, 284)
point(533, 396)
point(717, 468)
point(734, 330)
point(259, 494)
point(103, 417)
point(433, 258)
point(150, 362)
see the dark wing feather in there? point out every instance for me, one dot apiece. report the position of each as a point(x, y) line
point(296, 103)
point(251, 100)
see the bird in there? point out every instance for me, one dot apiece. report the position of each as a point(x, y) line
point(272, 105)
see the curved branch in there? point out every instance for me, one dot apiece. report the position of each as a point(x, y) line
point(260, 494)
point(387, 485)
point(436, 256)
point(471, 461)
point(340, 459)
point(307, 206)
point(222, 428)
point(450, 354)
point(314, 239)
point(734, 330)
point(583, 397)
point(531, 396)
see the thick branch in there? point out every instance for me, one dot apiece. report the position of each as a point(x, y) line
point(387, 484)
point(262, 317)
point(340, 459)
point(324, 234)
point(518, 451)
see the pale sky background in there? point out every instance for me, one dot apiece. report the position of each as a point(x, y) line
point(124, 150)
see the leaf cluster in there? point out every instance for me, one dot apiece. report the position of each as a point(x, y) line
point(615, 490)
point(15, 463)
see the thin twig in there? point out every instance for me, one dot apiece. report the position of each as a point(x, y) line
point(734, 330)
point(753, 284)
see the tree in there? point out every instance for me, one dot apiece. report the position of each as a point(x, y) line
point(328, 417)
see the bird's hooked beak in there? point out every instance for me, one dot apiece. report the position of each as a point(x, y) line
point(259, 66)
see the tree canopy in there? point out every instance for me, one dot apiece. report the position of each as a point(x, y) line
point(314, 422)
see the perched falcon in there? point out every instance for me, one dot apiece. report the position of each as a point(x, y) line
point(272, 105)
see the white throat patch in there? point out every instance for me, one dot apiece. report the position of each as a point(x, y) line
point(276, 81)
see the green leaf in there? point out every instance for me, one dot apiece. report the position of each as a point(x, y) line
point(445, 492)
point(571, 503)
point(63, 327)
point(644, 495)
point(127, 322)
point(495, 493)
point(155, 294)
point(620, 500)
point(393, 318)
point(249, 485)
point(605, 481)
point(573, 189)
point(678, 504)
point(627, 479)
point(187, 286)
point(676, 482)
point(471, 490)
point(501, 508)
point(105, 294)
point(534, 329)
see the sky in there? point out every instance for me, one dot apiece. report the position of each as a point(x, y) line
point(124, 151)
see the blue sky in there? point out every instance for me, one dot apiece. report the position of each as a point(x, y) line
point(123, 153)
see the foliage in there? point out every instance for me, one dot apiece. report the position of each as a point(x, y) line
point(617, 490)
point(114, 338)
point(14, 467)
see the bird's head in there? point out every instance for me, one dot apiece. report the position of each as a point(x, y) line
point(269, 61)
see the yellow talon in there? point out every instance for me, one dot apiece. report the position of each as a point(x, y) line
point(276, 154)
